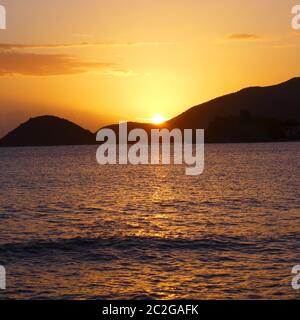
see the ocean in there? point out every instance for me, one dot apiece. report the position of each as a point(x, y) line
point(72, 229)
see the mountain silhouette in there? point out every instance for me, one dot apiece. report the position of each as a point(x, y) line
point(254, 114)
point(47, 131)
point(250, 115)
point(281, 102)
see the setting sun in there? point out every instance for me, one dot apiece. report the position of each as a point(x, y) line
point(158, 119)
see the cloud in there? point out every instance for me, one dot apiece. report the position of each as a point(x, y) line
point(32, 64)
point(119, 72)
point(243, 37)
point(15, 60)
point(12, 46)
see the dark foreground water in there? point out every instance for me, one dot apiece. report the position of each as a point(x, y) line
point(70, 228)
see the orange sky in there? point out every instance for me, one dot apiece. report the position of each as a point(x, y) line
point(96, 62)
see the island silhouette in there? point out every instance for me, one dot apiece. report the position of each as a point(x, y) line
point(254, 114)
point(47, 131)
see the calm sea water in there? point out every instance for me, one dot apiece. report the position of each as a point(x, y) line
point(70, 228)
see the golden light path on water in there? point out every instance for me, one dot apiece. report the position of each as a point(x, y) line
point(73, 229)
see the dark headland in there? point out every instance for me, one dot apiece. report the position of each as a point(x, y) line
point(255, 114)
point(47, 131)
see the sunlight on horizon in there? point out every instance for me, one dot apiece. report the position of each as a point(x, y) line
point(158, 119)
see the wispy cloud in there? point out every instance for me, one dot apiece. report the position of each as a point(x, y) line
point(31, 64)
point(16, 60)
point(16, 46)
point(118, 72)
point(243, 37)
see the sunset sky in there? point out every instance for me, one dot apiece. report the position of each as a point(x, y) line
point(100, 61)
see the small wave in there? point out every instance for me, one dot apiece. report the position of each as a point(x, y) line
point(108, 249)
point(90, 246)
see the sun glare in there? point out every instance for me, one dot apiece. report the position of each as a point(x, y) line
point(158, 119)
